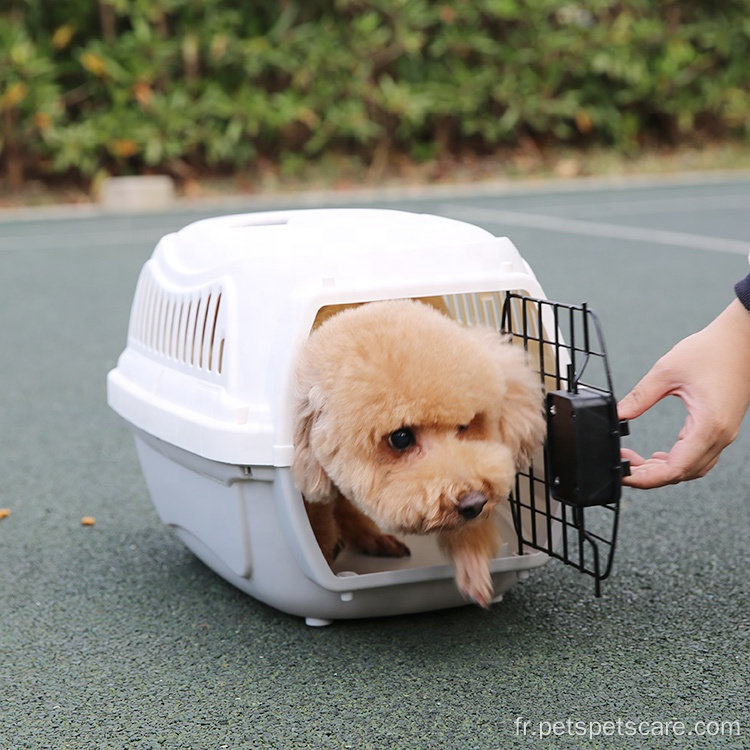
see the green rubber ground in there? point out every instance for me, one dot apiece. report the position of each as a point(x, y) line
point(115, 636)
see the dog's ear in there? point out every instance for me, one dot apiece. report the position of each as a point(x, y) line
point(522, 424)
point(309, 475)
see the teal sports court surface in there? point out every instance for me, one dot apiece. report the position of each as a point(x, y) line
point(115, 636)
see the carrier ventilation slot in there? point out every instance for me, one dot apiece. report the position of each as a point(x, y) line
point(488, 309)
point(484, 308)
point(183, 328)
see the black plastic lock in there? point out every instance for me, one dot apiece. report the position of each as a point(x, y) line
point(583, 447)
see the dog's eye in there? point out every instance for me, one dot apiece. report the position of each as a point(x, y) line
point(462, 428)
point(402, 439)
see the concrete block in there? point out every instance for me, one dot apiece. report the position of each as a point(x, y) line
point(145, 193)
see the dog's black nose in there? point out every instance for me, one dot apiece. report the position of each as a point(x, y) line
point(470, 505)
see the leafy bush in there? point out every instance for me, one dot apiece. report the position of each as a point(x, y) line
point(182, 85)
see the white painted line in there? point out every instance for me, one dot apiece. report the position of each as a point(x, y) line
point(79, 239)
point(654, 205)
point(595, 229)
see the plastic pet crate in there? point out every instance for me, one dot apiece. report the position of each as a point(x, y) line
point(206, 381)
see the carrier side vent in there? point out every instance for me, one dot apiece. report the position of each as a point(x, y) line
point(186, 329)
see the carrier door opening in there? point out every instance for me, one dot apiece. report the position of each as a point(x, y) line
point(468, 309)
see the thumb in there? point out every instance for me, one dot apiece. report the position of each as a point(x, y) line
point(653, 387)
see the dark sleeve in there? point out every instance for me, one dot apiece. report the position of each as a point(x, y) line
point(742, 290)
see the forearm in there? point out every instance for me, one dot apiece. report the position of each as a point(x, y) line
point(730, 335)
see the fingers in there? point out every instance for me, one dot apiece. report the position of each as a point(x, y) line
point(651, 473)
point(651, 389)
point(647, 473)
point(655, 473)
point(662, 468)
point(679, 465)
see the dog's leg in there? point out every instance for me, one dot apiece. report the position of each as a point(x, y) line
point(325, 528)
point(363, 534)
point(471, 547)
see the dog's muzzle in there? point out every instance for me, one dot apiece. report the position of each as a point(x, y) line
point(470, 505)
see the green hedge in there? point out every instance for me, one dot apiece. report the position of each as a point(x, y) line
point(176, 85)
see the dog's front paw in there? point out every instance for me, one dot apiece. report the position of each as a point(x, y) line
point(473, 577)
point(382, 545)
point(331, 549)
point(361, 533)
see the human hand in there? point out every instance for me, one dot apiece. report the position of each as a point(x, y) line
point(710, 372)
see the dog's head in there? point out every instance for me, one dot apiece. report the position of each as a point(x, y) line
point(419, 421)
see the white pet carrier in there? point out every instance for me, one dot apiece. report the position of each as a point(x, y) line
point(206, 378)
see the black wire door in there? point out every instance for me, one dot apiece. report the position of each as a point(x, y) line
point(567, 504)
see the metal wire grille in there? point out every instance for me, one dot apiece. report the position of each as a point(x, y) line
point(566, 345)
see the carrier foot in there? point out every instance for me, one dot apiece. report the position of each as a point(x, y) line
point(317, 622)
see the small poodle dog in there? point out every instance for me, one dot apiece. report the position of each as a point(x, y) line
point(409, 422)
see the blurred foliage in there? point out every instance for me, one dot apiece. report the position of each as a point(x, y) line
point(182, 85)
